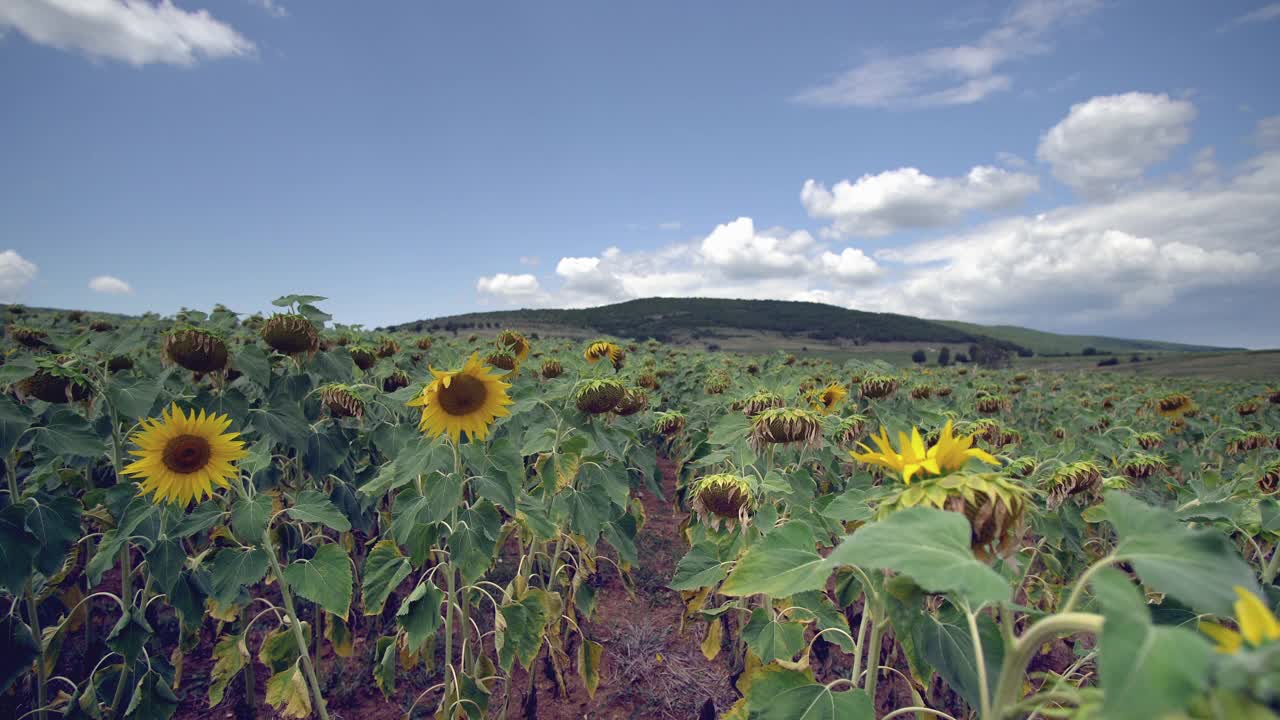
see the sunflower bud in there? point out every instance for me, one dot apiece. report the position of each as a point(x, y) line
point(196, 350)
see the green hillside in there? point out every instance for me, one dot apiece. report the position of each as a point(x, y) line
point(672, 318)
point(1045, 343)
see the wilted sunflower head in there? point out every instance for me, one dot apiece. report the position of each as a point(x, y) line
point(387, 347)
point(851, 430)
point(58, 380)
point(759, 401)
point(922, 391)
point(1174, 405)
point(668, 423)
point(994, 505)
point(182, 456)
point(601, 349)
point(514, 343)
point(341, 400)
point(363, 356)
point(785, 426)
point(1141, 465)
point(648, 381)
point(632, 402)
point(462, 401)
point(196, 349)
point(1022, 467)
point(26, 336)
point(1269, 480)
point(101, 326)
point(291, 334)
point(829, 398)
point(878, 387)
point(722, 500)
point(1148, 440)
point(992, 404)
point(502, 359)
point(424, 343)
point(1081, 481)
point(552, 369)
point(1248, 441)
point(1246, 408)
point(599, 396)
point(396, 380)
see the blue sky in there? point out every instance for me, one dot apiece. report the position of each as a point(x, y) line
point(1083, 166)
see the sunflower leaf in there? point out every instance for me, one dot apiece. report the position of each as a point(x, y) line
point(325, 579)
point(314, 506)
point(384, 569)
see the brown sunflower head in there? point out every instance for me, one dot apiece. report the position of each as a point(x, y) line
point(921, 392)
point(1142, 465)
point(552, 369)
point(396, 380)
point(668, 423)
point(1080, 481)
point(195, 349)
point(363, 356)
point(878, 387)
point(760, 401)
point(514, 343)
point(851, 430)
point(387, 348)
point(26, 336)
point(1148, 440)
point(342, 401)
point(722, 500)
point(1174, 405)
point(785, 426)
point(424, 343)
point(1248, 441)
point(502, 359)
point(291, 334)
point(634, 401)
point(992, 404)
point(57, 380)
point(994, 505)
point(1269, 480)
point(648, 381)
point(1246, 408)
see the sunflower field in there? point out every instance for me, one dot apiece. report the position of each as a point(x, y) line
point(222, 516)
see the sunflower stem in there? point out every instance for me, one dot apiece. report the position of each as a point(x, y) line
point(296, 624)
point(1269, 572)
point(33, 615)
point(1016, 660)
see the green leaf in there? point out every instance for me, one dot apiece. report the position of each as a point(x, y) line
point(164, 563)
point(325, 579)
point(67, 433)
point(851, 506)
point(589, 653)
point(474, 541)
point(279, 648)
point(54, 522)
point(287, 692)
point(199, 519)
point(442, 494)
point(699, 568)
point(14, 421)
point(419, 615)
point(930, 545)
point(153, 699)
point(947, 645)
point(133, 398)
point(1145, 670)
point(384, 670)
point(783, 563)
point(772, 640)
point(232, 569)
point(130, 633)
point(253, 362)
point(524, 623)
point(814, 702)
point(384, 568)
point(17, 550)
point(1199, 567)
point(315, 507)
point(18, 650)
point(249, 517)
point(283, 423)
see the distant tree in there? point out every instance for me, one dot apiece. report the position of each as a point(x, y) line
point(962, 358)
point(1026, 352)
point(419, 326)
point(944, 356)
point(988, 355)
point(713, 347)
point(1089, 351)
point(919, 357)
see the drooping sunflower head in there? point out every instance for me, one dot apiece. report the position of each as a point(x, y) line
point(761, 400)
point(363, 356)
point(829, 398)
point(342, 401)
point(668, 423)
point(632, 402)
point(1248, 441)
point(601, 349)
point(504, 360)
point(922, 391)
point(182, 456)
point(1269, 480)
point(101, 326)
point(877, 387)
point(1022, 467)
point(1081, 481)
point(396, 380)
point(717, 382)
point(26, 336)
point(648, 381)
point(424, 343)
point(513, 342)
point(60, 379)
point(1142, 465)
point(387, 347)
point(1174, 405)
point(552, 369)
point(1247, 408)
point(722, 500)
point(1258, 625)
point(785, 426)
point(994, 505)
point(291, 334)
point(599, 396)
point(466, 400)
point(195, 349)
point(851, 430)
point(992, 404)
point(1148, 440)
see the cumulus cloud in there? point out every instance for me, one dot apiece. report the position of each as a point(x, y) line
point(1109, 141)
point(1266, 13)
point(851, 265)
point(109, 285)
point(907, 198)
point(138, 32)
point(511, 288)
point(740, 251)
point(1267, 134)
point(16, 273)
point(956, 75)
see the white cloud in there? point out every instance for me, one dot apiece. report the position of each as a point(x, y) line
point(1011, 160)
point(1266, 13)
point(907, 198)
point(138, 32)
point(1267, 134)
point(1108, 141)
point(530, 260)
point(851, 265)
point(272, 8)
point(738, 250)
point(670, 226)
point(951, 75)
point(109, 285)
point(16, 273)
point(512, 288)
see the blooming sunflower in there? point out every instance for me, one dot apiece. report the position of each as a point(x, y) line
point(1258, 625)
point(602, 349)
point(182, 455)
point(947, 454)
point(462, 401)
point(831, 396)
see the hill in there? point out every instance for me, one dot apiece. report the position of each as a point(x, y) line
point(674, 319)
point(1046, 343)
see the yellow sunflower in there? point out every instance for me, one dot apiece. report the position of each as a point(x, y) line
point(602, 349)
point(829, 398)
point(462, 401)
point(948, 454)
point(1258, 625)
point(182, 456)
